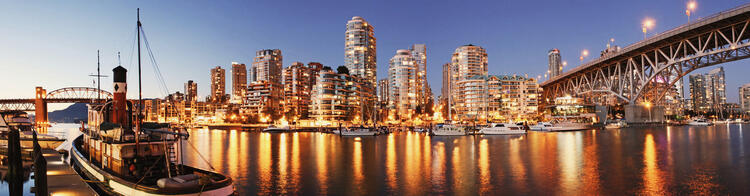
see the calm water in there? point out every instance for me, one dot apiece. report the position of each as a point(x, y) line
point(663, 160)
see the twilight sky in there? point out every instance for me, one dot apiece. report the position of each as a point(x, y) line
point(53, 43)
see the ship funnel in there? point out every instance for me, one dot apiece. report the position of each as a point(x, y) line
point(119, 103)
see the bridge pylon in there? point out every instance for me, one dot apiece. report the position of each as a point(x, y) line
point(40, 108)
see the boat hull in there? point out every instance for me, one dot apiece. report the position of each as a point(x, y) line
point(115, 186)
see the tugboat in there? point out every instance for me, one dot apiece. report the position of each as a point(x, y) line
point(121, 155)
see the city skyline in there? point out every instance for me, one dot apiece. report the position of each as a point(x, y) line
point(181, 63)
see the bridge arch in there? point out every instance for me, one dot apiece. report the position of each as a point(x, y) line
point(78, 93)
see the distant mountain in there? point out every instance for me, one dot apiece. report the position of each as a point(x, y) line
point(74, 113)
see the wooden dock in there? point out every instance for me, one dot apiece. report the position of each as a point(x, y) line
point(62, 179)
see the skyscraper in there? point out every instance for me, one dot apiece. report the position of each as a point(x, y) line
point(191, 91)
point(419, 55)
point(360, 50)
point(239, 82)
point(445, 91)
point(708, 91)
point(555, 63)
point(402, 76)
point(745, 98)
point(218, 84)
point(467, 62)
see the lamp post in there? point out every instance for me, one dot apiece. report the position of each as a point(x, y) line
point(647, 24)
point(648, 106)
point(691, 5)
point(584, 54)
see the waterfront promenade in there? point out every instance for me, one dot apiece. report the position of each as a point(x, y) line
point(62, 179)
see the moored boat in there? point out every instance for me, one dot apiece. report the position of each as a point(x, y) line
point(121, 155)
point(20, 120)
point(358, 131)
point(699, 122)
point(502, 129)
point(448, 130)
point(273, 128)
point(616, 125)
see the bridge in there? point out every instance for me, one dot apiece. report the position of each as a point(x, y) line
point(642, 73)
point(38, 104)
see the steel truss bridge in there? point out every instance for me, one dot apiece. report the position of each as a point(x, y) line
point(646, 70)
point(63, 95)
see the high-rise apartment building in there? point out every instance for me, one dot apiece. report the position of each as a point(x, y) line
point(402, 76)
point(555, 63)
point(745, 98)
point(239, 82)
point(467, 62)
point(445, 90)
point(218, 84)
point(708, 91)
point(264, 91)
point(297, 87)
point(419, 55)
point(383, 91)
point(360, 50)
point(191, 91)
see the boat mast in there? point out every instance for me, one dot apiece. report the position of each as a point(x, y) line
point(98, 78)
point(140, 99)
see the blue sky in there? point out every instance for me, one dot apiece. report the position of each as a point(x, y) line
point(53, 43)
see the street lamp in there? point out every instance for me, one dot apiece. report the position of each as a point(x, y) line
point(647, 24)
point(584, 54)
point(691, 5)
point(648, 106)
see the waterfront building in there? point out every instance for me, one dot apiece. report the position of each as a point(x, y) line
point(191, 91)
point(708, 91)
point(745, 98)
point(239, 82)
point(337, 99)
point(297, 87)
point(383, 92)
point(361, 50)
point(264, 92)
point(403, 97)
point(513, 98)
point(467, 62)
point(555, 63)
point(218, 85)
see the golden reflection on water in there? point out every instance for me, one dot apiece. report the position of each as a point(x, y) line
point(264, 162)
point(484, 166)
point(390, 162)
point(569, 159)
point(591, 184)
point(232, 153)
point(321, 162)
point(295, 173)
point(652, 181)
point(283, 178)
point(438, 167)
point(357, 163)
point(517, 167)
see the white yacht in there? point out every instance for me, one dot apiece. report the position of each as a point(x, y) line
point(358, 131)
point(699, 122)
point(448, 129)
point(502, 129)
point(20, 120)
point(563, 126)
point(273, 128)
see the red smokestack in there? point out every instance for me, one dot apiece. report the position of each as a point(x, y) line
point(119, 104)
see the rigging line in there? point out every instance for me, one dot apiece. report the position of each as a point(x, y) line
point(157, 71)
point(132, 48)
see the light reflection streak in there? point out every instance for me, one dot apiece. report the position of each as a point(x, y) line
point(264, 163)
point(569, 156)
point(651, 176)
point(438, 168)
point(321, 163)
point(484, 166)
point(358, 174)
point(232, 154)
point(390, 162)
point(283, 162)
point(295, 174)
